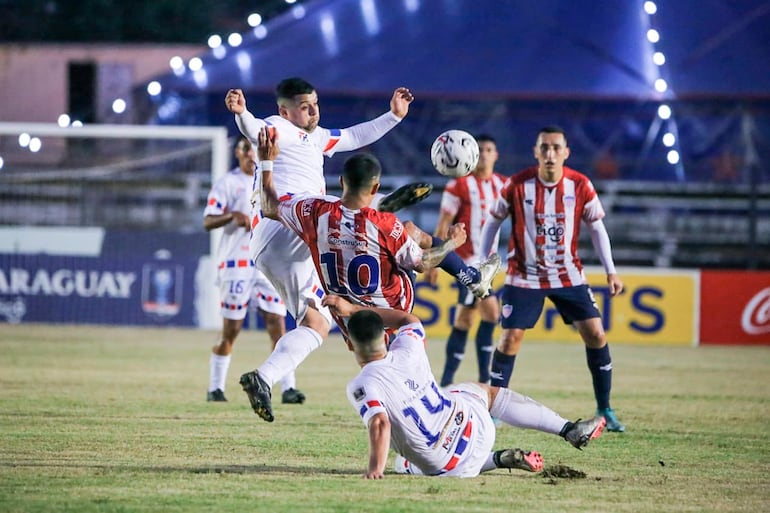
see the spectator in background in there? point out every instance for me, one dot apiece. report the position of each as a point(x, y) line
point(240, 283)
point(468, 200)
point(546, 204)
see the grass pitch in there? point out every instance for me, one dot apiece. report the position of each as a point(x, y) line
point(115, 420)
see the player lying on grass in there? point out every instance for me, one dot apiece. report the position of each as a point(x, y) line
point(437, 432)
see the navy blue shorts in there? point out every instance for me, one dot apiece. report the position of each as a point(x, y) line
point(464, 296)
point(522, 307)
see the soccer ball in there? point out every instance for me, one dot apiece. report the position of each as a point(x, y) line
point(455, 153)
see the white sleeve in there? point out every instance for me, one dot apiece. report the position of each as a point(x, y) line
point(363, 134)
point(601, 242)
point(249, 125)
point(489, 235)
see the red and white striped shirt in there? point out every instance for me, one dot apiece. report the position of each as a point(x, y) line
point(363, 255)
point(545, 226)
point(468, 200)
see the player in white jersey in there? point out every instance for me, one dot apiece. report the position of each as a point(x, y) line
point(468, 200)
point(546, 204)
point(360, 253)
point(436, 432)
point(241, 285)
point(276, 250)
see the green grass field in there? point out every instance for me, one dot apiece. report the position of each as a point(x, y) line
point(105, 419)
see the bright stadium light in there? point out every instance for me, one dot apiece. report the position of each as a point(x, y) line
point(195, 64)
point(650, 8)
point(2, 162)
point(35, 144)
point(214, 41)
point(254, 19)
point(669, 139)
point(260, 32)
point(234, 39)
point(658, 58)
point(24, 138)
point(653, 36)
point(664, 111)
point(154, 88)
point(673, 157)
point(119, 106)
point(661, 85)
point(64, 120)
point(77, 123)
point(176, 62)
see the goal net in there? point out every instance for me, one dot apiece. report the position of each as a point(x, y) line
point(103, 223)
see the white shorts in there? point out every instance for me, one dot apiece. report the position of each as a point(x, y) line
point(474, 402)
point(285, 260)
point(241, 288)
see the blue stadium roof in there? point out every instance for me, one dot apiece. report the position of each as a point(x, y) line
point(482, 48)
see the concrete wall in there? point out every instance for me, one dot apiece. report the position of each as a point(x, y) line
point(34, 81)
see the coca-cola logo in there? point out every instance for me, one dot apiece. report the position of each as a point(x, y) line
point(756, 316)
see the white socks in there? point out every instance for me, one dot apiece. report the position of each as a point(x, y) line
point(521, 411)
point(289, 352)
point(218, 366)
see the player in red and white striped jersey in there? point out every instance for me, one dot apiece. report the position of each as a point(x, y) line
point(360, 253)
point(468, 200)
point(547, 204)
point(241, 285)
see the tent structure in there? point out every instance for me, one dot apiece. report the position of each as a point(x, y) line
point(507, 67)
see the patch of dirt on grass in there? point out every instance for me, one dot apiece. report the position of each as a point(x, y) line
point(562, 471)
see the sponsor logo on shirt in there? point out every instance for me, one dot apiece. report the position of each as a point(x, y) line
point(398, 229)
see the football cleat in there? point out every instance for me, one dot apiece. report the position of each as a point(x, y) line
point(530, 461)
point(613, 424)
point(259, 394)
point(405, 196)
point(292, 396)
point(488, 269)
point(217, 395)
point(583, 431)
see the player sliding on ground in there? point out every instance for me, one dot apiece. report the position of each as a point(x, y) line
point(437, 432)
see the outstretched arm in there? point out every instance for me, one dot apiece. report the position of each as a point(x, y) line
point(379, 443)
point(601, 242)
point(390, 317)
point(441, 231)
point(366, 133)
point(235, 101)
point(267, 151)
point(433, 256)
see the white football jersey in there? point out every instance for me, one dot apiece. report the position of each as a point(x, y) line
point(429, 427)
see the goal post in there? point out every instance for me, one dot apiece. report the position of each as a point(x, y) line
point(126, 181)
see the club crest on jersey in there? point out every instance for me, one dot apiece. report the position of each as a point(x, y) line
point(507, 311)
point(359, 393)
point(303, 137)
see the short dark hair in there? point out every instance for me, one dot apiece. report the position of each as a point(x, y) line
point(365, 326)
point(239, 139)
point(291, 87)
point(360, 171)
point(553, 129)
point(485, 138)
